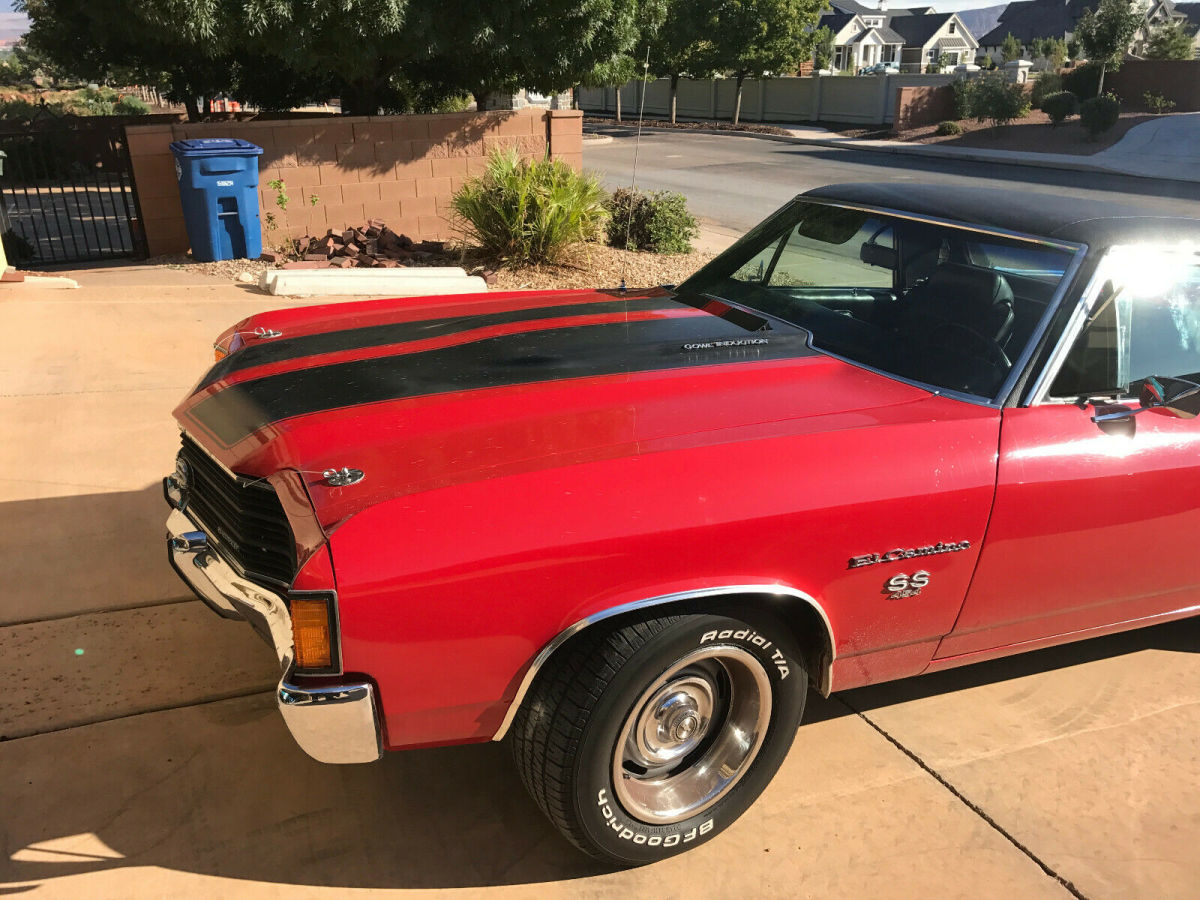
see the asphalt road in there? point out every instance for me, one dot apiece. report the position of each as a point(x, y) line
point(733, 182)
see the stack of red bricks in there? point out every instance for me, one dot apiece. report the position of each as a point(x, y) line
point(374, 246)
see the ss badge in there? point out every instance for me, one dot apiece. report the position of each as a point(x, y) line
point(900, 587)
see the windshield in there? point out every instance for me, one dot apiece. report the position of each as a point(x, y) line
point(949, 307)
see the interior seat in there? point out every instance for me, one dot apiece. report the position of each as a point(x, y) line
point(979, 300)
point(953, 327)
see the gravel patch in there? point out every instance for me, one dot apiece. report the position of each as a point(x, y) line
point(583, 266)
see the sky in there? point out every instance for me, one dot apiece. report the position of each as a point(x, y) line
point(939, 5)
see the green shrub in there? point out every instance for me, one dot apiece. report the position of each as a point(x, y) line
point(1157, 103)
point(658, 222)
point(18, 110)
point(964, 91)
point(528, 211)
point(1060, 106)
point(949, 127)
point(998, 100)
point(1047, 83)
point(1099, 114)
point(1082, 81)
point(130, 105)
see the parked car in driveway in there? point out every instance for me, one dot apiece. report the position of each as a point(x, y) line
point(892, 430)
point(881, 68)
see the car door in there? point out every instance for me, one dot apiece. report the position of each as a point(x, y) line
point(1094, 524)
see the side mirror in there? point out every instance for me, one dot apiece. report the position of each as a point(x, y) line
point(1171, 396)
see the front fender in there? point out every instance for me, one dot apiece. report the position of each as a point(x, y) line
point(448, 595)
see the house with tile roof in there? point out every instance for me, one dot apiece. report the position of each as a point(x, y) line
point(1029, 20)
point(910, 39)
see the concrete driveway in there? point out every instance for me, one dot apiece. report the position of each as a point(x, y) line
point(141, 755)
point(1168, 147)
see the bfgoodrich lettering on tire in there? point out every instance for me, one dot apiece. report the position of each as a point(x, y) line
point(642, 740)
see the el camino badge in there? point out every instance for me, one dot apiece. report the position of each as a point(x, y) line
point(874, 559)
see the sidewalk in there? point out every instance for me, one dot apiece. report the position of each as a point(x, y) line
point(1167, 148)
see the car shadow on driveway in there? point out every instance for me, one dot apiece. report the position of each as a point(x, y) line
point(1181, 636)
point(221, 789)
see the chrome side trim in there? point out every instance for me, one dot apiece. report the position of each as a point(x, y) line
point(1087, 300)
point(1022, 363)
point(779, 590)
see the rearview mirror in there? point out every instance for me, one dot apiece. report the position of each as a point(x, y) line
point(1171, 396)
point(876, 255)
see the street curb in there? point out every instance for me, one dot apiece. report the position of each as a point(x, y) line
point(597, 139)
point(986, 156)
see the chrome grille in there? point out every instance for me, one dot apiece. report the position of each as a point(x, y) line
point(243, 516)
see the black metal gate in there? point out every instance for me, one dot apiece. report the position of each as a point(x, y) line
point(67, 192)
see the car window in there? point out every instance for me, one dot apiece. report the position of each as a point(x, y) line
point(945, 306)
point(1027, 262)
point(1147, 322)
point(797, 259)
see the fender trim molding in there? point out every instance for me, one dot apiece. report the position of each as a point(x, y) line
point(778, 590)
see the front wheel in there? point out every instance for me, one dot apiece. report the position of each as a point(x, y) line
point(643, 740)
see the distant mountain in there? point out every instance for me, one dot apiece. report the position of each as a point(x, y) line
point(980, 21)
point(12, 26)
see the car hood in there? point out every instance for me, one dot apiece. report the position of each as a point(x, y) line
point(425, 394)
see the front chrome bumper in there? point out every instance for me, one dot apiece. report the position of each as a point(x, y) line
point(332, 724)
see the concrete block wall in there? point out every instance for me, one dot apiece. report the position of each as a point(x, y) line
point(402, 169)
point(917, 106)
point(867, 100)
point(1175, 79)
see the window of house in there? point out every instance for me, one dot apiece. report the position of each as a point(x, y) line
point(953, 27)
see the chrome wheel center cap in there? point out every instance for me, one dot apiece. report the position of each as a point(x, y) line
point(674, 721)
point(685, 728)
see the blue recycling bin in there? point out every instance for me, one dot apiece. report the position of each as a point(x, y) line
point(218, 185)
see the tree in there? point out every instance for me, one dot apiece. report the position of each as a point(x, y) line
point(759, 38)
point(822, 48)
point(995, 98)
point(1172, 40)
point(614, 73)
point(1104, 34)
point(676, 48)
point(1010, 49)
point(1053, 50)
point(392, 55)
point(624, 67)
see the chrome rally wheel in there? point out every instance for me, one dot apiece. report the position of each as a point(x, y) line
point(646, 738)
point(692, 735)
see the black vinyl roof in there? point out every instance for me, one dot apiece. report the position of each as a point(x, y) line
point(1063, 218)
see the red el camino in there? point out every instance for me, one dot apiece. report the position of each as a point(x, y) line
point(888, 432)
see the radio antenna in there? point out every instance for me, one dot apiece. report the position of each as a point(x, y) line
point(636, 147)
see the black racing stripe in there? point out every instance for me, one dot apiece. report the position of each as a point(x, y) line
point(401, 332)
point(241, 409)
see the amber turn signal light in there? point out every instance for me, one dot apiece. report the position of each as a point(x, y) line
point(219, 352)
point(312, 632)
